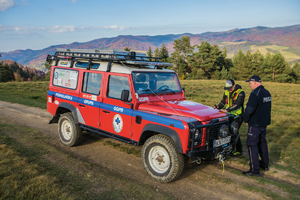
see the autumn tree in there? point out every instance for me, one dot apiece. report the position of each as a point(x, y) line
point(127, 49)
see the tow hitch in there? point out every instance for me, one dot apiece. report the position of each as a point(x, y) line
point(222, 158)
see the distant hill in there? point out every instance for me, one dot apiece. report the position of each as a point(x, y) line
point(22, 71)
point(281, 39)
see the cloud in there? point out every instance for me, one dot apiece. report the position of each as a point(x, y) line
point(74, 1)
point(23, 30)
point(5, 4)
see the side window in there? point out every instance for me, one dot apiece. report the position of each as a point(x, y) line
point(91, 83)
point(116, 85)
point(65, 78)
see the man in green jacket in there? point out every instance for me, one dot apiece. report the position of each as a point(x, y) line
point(233, 102)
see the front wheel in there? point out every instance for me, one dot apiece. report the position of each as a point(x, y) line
point(161, 159)
point(69, 132)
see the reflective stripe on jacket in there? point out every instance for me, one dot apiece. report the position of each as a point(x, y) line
point(230, 100)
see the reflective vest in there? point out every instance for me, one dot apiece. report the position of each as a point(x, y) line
point(230, 100)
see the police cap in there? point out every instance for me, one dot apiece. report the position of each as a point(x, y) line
point(254, 78)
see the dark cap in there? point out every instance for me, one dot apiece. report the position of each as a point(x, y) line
point(254, 78)
point(229, 84)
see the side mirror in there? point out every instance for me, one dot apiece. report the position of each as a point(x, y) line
point(125, 95)
point(183, 89)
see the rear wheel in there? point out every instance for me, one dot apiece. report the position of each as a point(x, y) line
point(69, 132)
point(161, 159)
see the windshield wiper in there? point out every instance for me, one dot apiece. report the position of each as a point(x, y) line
point(144, 90)
point(166, 90)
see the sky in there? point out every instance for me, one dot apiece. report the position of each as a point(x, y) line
point(38, 24)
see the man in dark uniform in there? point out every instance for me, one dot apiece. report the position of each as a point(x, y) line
point(257, 116)
point(233, 102)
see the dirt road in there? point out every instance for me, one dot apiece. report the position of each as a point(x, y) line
point(204, 181)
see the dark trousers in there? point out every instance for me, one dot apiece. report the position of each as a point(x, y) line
point(239, 146)
point(257, 145)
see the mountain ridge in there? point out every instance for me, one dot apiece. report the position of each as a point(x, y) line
point(288, 36)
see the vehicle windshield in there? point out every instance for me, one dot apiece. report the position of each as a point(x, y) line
point(155, 82)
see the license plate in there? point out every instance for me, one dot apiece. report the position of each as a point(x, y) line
point(222, 141)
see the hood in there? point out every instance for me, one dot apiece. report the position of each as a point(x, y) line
point(183, 108)
point(237, 87)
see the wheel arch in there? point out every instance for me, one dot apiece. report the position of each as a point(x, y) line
point(64, 108)
point(154, 129)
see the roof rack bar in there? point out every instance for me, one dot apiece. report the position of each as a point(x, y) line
point(130, 57)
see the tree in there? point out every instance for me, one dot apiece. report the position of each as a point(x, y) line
point(163, 53)
point(48, 68)
point(239, 71)
point(179, 65)
point(296, 72)
point(275, 65)
point(35, 78)
point(206, 60)
point(180, 57)
point(156, 52)
point(149, 53)
point(6, 74)
point(257, 63)
point(127, 49)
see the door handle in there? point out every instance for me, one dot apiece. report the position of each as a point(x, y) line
point(105, 111)
point(81, 105)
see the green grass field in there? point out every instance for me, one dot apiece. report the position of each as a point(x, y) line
point(283, 134)
point(27, 171)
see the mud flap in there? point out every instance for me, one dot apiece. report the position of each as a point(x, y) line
point(54, 120)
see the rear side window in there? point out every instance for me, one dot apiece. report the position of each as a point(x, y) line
point(92, 83)
point(116, 85)
point(66, 78)
point(85, 65)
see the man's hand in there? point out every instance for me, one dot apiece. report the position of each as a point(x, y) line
point(216, 107)
point(223, 110)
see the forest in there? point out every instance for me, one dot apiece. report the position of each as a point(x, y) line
point(12, 71)
point(208, 61)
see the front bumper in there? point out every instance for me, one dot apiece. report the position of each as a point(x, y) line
point(210, 153)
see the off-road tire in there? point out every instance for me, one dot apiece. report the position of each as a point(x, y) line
point(161, 159)
point(69, 132)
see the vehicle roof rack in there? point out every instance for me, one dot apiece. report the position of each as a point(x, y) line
point(129, 57)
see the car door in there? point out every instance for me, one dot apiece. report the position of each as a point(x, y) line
point(90, 99)
point(115, 114)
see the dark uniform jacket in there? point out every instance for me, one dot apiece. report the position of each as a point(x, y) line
point(258, 110)
point(239, 102)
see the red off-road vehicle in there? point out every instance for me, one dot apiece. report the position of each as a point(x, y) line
point(132, 98)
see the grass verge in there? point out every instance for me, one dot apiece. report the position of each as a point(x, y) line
point(27, 93)
point(32, 168)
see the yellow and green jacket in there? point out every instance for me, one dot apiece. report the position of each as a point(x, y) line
point(233, 102)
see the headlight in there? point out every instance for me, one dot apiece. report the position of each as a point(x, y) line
point(197, 134)
point(234, 128)
point(223, 131)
